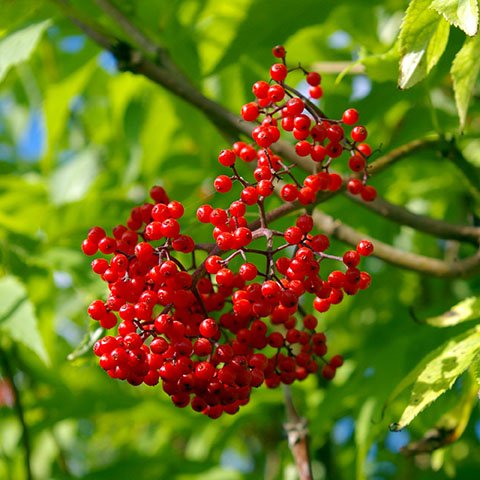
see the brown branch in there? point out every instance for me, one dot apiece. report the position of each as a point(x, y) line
point(297, 433)
point(411, 261)
point(403, 151)
point(437, 228)
point(8, 372)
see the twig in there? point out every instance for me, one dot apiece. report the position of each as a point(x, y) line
point(7, 370)
point(297, 432)
point(437, 228)
point(410, 261)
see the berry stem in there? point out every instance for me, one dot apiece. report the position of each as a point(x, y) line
point(297, 434)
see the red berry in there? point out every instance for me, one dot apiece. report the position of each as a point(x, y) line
point(350, 116)
point(208, 328)
point(328, 372)
point(289, 192)
point(227, 158)
point(357, 163)
point(278, 72)
point(365, 149)
point(260, 89)
point(359, 133)
point(279, 51)
point(293, 235)
point(368, 193)
point(250, 112)
point(313, 79)
point(354, 186)
point(316, 92)
point(222, 184)
point(365, 248)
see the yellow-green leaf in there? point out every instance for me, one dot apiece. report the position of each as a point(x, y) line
point(461, 13)
point(465, 68)
point(18, 46)
point(436, 373)
point(17, 316)
point(468, 309)
point(423, 38)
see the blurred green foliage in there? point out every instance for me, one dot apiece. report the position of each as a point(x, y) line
point(81, 143)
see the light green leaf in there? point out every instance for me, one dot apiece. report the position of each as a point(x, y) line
point(436, 373)
point(461, 13)
point(71, 181)
point(475, 369)
point(17, 47)
point(465, 68)
point(85, 346)
point(363, 436)
point(423, 38)
point(468, 309)
point(384, 66)
point(57, 107)
point(17, 316)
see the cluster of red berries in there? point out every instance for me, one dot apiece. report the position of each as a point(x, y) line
point(211, 333)
point(279, 107)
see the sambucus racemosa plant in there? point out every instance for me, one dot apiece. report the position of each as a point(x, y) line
point(211, 333)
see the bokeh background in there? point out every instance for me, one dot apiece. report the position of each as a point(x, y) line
point(81, 143)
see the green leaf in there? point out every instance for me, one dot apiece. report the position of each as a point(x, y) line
point(57, 107)
point(71, 181)
point(461, 13)
point(18, 46)
point(17, 316)
point(423, 38)
point(465, 68)
point(468, 309)
point(475, 369)
point(364, 435)
point(384, 66)
point(436, 373)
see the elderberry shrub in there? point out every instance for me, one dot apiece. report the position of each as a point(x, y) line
point(211, 334)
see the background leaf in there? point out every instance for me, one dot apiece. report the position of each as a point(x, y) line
point(437, 372)
point(468, 309)
point(423, 38)
point(18, 46)
point(465, 69)
point(461, 13)
point(17, 317)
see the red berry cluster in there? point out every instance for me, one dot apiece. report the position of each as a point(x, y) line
point(279, 107)
point(212, 333)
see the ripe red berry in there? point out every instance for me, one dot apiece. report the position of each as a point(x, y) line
point(250, 112)
point(293, 235)
point(350, 116)
point(365, 248)
point(313, 79)
point(316, 92)
point(260, 89)
point(208, 328)
point(278, 72)
point(359, 133)
point(227, 158)
point(354, 186)
point(357, 163)
point(368, 193)
point(279, 51)
point(222, 184)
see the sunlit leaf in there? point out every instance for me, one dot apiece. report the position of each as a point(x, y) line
point(71, 181)
point(468, 309)
point(436, 373)
point(461, 13)
point(17, 47)
point(423, 38)
point(465, 69)
point(17, 316)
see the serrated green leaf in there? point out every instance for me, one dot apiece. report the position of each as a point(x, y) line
point(17, 316)
point(465, 69)
point(436, 373)
point(71, 181)
point(18, 46)
point(468, 309)
point(423, 38)
point(461, 13)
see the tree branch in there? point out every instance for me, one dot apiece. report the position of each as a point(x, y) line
point(8, 372)
point(411, 261)
point(403, 151)
point(297, 432)
point(437, 228)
